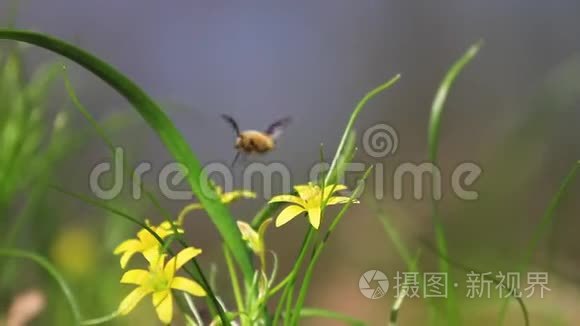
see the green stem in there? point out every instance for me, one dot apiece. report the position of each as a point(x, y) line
point(235, 284)
point(290, 298)
point(279, 286)
point(350, 125)
point(433, 141)
point(44, 263)
point(542, 228)
point(499, 283)
point(293, 273)
point(100, 320)
point(322, 313)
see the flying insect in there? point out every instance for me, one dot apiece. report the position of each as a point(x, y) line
point(254, 141)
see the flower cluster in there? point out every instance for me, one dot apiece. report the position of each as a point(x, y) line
point(160, 280)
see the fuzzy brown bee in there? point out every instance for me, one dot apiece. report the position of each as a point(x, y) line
point(254, 141)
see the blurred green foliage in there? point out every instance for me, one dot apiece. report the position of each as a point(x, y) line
point(29, 146)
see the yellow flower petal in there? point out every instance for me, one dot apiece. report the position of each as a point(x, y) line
point(128, 245)
point(154, 256)
point(288, 199)
point(187, 285)
point(126, 257)
point(146, 237)
point(135, 276)
point(163, 302)
point(166, 229)
point(314, 216)
point(339, 200)
point(180, 259)
point(330, 189)
point(287, 214)
point(307, 191)
point(131, 300)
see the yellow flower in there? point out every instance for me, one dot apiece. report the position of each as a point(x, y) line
point(145, 242)
point(158, 281)
point(225, 198)
point(310, 199)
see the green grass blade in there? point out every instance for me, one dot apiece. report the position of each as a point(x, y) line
point(161, 124)
point(433, 141)
point(85, 113)
point(44, 263)
point(346, 158)
point(392, 233)
point(100, 320)
point(441, 97)
point(403, 251)
point(497, 282)
point(291, 278)
point(350, 125)
point(235, 284)
point(542, 228)
point(322, 313)
point(548, 217)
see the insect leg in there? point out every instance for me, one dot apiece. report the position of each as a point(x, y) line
point(236, 158)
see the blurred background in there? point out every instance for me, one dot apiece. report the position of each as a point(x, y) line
point(513, 111)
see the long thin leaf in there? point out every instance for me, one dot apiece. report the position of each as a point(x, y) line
point(441, 97)
point(542, 228)
point(497, 282)
point(164, 128)
point(433, 141)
